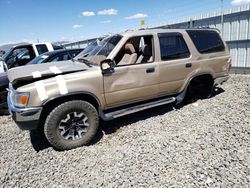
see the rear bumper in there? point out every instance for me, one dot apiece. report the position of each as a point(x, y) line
point(220, 80)
point(25, 118)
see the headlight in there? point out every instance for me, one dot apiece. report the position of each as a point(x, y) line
point(20, 99)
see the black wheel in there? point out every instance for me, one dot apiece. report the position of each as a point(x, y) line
point(4, 111)
point(199, 89)
point(71, 124)
point(3, 102)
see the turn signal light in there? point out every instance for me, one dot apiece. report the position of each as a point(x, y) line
point(23, 99)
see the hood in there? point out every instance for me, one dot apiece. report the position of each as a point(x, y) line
point(30, 73)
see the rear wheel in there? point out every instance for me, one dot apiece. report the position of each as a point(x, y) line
point(200, 87)
point(71, 124)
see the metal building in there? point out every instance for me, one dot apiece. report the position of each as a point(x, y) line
point(82, 43)
point(236, 32)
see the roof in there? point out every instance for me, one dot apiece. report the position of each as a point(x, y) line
point(131, 33)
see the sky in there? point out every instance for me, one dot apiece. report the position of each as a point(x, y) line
point(72, 20)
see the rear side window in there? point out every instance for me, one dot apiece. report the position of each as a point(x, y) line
point(55, 47)
point(41, 48)
point(206, 41)
point(173, 46)
point(60, 57)
point(74, 53)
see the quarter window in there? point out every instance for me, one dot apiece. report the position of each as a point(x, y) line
point(206, 41)
point(173, 46)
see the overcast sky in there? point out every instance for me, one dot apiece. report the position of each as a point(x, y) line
point(54, 20)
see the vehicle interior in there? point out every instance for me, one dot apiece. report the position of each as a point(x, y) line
point(135, 51)
point(20, 56)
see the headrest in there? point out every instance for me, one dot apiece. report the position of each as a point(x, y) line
point(147, 50)
point(129, 48)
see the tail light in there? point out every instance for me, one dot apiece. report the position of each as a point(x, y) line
point(229, 64)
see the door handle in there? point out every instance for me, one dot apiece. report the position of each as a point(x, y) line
point(150, 70)
point(188, 65)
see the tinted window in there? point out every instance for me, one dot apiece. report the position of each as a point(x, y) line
point(173, 46)
point(206, 41)
point(74, 53)
point(38, 60)
point(41, 48)
point(61, 57)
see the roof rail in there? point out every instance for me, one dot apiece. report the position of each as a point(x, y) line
point(206, 27)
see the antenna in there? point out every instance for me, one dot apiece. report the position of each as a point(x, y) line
point(222, 17)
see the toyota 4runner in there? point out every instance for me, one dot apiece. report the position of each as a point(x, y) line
point(125, 73)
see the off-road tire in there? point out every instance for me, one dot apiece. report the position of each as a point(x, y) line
point(54, 118)
point(197, 91)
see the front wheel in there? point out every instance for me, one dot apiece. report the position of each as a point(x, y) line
point(71, 124)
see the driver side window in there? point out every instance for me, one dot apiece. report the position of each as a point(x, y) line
point(20, 56)
point(136, 50)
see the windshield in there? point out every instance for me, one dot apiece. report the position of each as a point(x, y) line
point(102, 49)
point(87, 50)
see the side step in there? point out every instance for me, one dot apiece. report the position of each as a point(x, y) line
point(137, 108)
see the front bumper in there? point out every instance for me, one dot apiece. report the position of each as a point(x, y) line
point(25, 118)
point(220, 80)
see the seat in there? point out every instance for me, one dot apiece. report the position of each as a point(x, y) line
point(146, 55)
point(130, 55)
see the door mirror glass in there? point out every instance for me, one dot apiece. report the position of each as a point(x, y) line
point(107, 66)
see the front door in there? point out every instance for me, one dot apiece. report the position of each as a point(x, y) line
point(136, 76)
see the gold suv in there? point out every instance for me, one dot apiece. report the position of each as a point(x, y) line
point(122, 74)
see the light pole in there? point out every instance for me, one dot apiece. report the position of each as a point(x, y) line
point(222, 17)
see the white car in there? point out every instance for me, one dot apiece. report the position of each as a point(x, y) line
point(22, 54)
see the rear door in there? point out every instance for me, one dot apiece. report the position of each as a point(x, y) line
point(175, 62)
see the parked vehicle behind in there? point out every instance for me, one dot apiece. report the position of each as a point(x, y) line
point(52, 56)
point(125, 73)
point(56, 56)
point(22, 54)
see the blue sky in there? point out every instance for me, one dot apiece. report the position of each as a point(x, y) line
point(54, 20)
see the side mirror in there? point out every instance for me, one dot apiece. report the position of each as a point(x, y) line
point(107, 66)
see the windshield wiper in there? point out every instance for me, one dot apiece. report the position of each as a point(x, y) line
point(87, 62)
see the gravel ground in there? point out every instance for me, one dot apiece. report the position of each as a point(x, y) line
point(204, 144)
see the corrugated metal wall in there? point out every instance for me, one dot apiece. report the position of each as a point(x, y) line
point(236, 30)
point(80, 44)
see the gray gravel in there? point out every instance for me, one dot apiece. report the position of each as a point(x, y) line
point(204, 144)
